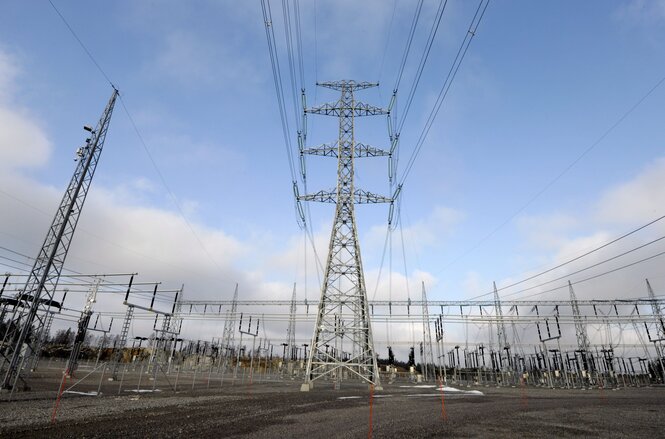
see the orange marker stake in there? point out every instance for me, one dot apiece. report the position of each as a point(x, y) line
point(371, 402)
point(524, 400)
point(601, 390)
point(444, 416)
point(57, 400)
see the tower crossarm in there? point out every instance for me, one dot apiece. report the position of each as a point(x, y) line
point(325, 150)
point(364, 197)
point(360, 196)
point(347, 84)
point(360, 150)
point(340, 108)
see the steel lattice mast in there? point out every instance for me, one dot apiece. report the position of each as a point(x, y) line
point(28, 321)
point(342, 341)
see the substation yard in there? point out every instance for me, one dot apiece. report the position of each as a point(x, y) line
point(270, 408)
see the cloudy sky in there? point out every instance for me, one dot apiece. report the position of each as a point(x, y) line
point(548, 145)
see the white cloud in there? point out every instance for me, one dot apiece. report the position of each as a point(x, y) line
point(436, 227)
point(641, 12)
point(547, 231)
point(563, 237)
point(23, 143)
point(194, 61)
point(427, 232)
point(143, 184)
point(636, 201)
point(8, 72)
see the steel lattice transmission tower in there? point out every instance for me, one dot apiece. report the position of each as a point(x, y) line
point(28, 321)
point(342, 341)
point(583, 344)
point(292, 349)
point(502, 336)
point(428, 357)
point(657, 313)
point(228, 335)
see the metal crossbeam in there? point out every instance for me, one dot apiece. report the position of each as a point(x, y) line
point(434, 303)
point(359, 151)
point(360, 196)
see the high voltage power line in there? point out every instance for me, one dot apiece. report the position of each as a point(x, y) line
point(303, 215)
point(396, 134)
point(445, 88)
point(596, 276)
point(296, 65)
point(409, 41)
point(421, 65)
point(595, 265)
point(557, 177)
point(569, 261)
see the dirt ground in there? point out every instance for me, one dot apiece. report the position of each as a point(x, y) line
point(274, 408)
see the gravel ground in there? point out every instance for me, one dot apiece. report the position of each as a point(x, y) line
point(279, 409)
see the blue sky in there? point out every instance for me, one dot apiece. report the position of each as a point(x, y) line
point(540, 84)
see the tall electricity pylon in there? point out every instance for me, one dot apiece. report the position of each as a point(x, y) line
point(502, 336)
point(228, 335)
point(292, 349)
point(657, 313)
point(342, 342)
point(36, 298)
point(428, 357)
point(583, 344)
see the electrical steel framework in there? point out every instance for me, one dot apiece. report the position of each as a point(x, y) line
point(342, 341)
point(19, 343)
point(82, 330)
